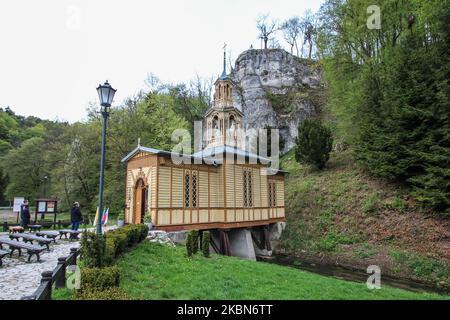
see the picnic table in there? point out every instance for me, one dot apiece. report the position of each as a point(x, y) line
point(72, 234)
point(48, 234)
point(16, 229)
point(16, 245)
point(34, 227)
point(30, 238)
point(2, 254)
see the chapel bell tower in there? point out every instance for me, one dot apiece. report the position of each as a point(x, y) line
point(223, 122)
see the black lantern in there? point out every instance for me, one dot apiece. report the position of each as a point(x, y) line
point(106, 95)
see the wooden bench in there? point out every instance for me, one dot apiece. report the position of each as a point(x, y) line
point(16, 245)
point(48, 234)
point(30, 238)
point(2, 254)
point(73, 234)
point(16, 229)
point(34, 227)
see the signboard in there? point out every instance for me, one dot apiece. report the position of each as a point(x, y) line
point(50, 206)
point(41, 206)
point(18, 201)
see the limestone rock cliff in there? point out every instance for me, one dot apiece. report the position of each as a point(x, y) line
point(277, 89)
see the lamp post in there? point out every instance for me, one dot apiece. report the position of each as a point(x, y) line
point(106, 96)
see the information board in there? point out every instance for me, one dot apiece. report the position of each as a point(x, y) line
point(18, 201)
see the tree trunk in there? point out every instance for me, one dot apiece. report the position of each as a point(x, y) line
point(310, 50)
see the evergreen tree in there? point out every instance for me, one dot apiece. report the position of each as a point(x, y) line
point(313, 143)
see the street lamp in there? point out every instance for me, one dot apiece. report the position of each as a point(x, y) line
point(106, 96)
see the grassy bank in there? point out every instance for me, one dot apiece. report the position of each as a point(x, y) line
point(153, 271)
point(341, 215)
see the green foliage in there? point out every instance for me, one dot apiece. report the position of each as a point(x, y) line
point(370, 203)
point(281, 103)
point(313, 143)
point(206, 237)
point(26, 168)
point(148, 218)
point(424, 267)
point(107, 294)
point(98, 279)
point(100, 251)
point(195, 239)
point(388, 90)
point(93, 250)
point(332, 239)
point(397, 204)
point(364, 251)
point(189, 245)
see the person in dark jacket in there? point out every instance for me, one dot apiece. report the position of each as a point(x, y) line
point(25, 215)
point(75, 216)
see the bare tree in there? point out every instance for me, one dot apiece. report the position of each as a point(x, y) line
point(266, 28)
point(292, 29)
point(309, 30)
point(274, 43)
point(152, 82)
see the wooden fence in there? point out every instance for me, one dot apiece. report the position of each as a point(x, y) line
point(57, 277)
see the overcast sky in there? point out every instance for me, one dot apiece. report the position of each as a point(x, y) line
point(54, 53)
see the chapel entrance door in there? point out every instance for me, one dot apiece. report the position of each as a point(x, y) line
point(140, 201)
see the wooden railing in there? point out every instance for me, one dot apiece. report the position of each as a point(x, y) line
point(57, 277)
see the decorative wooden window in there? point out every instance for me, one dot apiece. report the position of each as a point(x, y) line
point(190, 189)
point(272, 193)
point(269, 193)
point(187, 193)
point(248, 189)
point(194, 189)
point(245, 190)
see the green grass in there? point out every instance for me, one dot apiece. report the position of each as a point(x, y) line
point(153, 271)
point(62, 294)
point(422, 266)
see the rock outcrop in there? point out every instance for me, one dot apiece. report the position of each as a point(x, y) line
point(277, 89)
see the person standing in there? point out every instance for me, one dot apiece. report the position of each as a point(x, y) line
point(75, 216)
point(24, 214)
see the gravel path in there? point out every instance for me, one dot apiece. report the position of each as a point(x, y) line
point(20, 278)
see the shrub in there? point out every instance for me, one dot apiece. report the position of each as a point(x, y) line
point(110, 250)
point(189, 245)
point(195, 236)
point(108, 294)
point(101, 251)
point(93, 250)
point(120, 241)
point(313, 143)
point(205, 243)
point(370, 203)
point(93, 279)
point(143, 230)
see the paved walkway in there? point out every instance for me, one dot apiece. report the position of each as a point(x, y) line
point(20, 278)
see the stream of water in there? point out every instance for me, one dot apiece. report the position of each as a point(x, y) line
point(343, 273)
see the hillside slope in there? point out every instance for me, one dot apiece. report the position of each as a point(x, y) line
point(343, 216)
